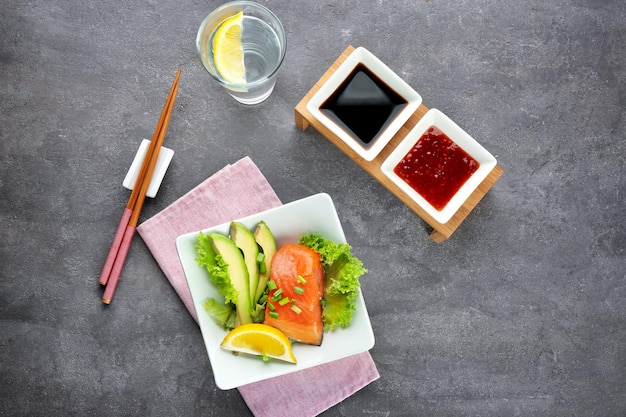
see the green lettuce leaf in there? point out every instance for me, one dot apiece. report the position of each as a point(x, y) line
point(342, 271)
point(218, 274)
point(224, 314)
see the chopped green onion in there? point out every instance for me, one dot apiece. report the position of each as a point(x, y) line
point(271, 284)
point(298, 290)
point(301, 280)
point(265, 358)
point(262, 268)
point(271, 306)
point(283, 301)
point(277, 295)
point(260, 258)
point(295, 308)
point(273, 314)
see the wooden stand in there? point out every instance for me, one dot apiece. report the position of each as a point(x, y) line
point(441, 232)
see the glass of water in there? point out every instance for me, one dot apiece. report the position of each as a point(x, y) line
point(257, 41)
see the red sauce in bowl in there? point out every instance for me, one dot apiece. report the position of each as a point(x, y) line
point(436, 167)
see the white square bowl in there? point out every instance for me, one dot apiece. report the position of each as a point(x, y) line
point(386, 75)
point(288, 222)
point(436, 118)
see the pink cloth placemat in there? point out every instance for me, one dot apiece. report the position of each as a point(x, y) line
point(239, 190)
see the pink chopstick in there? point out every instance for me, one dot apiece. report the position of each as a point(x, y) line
point(123, 236)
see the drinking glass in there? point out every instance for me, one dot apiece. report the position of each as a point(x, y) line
point(264, 46)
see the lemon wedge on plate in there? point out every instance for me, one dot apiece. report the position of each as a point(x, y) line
point(228, 50)
point(259, 339)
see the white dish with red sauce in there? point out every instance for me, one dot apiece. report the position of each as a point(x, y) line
point(438, 165)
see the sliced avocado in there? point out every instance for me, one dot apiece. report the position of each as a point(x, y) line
point(244, 240)
point(265, 239)
point(238, 273)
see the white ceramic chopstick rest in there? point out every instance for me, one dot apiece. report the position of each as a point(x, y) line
point(163, 162)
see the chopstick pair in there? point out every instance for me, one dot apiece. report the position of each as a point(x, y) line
point(126, 229)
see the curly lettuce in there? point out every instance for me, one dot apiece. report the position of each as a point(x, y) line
point(218, 274)
point(342, 271)
point(224, 314)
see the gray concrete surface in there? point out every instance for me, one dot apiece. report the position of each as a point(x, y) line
point(522, 312)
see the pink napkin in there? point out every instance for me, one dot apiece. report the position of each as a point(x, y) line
point(236, 191)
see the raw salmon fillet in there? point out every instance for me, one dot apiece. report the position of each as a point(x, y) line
point(299, 310)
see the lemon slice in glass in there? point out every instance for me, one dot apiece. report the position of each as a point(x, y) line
point(259, 339)
point(228, 50)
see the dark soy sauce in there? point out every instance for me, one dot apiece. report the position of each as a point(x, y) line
point(363, 105)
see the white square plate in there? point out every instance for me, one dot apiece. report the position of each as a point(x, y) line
point(436, 118)
point(288, 222)
point(383, 72)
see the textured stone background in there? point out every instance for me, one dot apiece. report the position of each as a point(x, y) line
point(522, 312)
